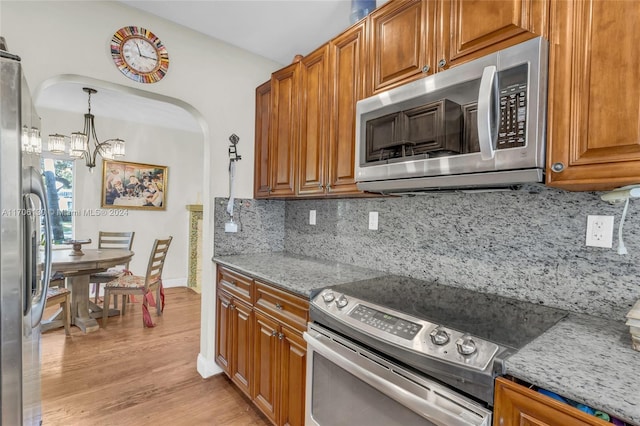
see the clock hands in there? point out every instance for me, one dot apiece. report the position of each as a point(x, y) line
point(140, 53)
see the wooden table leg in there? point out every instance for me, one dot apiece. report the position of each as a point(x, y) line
point(79, 286)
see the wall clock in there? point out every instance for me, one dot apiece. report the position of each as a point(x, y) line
point(139, 54)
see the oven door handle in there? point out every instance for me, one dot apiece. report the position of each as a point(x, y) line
point(426, 407)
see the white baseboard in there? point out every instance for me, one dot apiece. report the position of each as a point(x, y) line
point(174, 282)
point(207, 368)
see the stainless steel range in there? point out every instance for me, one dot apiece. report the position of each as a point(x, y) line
point(394, 350)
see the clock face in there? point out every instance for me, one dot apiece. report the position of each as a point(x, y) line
point(139, 54)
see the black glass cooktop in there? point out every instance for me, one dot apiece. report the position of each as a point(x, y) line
point(501, 320)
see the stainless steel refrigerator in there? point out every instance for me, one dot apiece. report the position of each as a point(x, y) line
point(25, 249)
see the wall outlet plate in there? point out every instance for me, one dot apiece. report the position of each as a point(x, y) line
point(373, 221)
point(599, 231)
point(312, 217)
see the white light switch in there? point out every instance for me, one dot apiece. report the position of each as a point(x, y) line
point(373, 221)
point(600, 231)
point(312, 217)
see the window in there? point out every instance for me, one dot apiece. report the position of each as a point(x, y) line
point(58, 177)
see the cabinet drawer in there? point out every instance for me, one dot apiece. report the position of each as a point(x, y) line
point(290, 309)
point(236, 284)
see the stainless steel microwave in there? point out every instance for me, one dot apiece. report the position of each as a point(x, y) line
point(480, 124)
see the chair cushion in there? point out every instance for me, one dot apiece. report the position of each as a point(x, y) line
point(109, 273)
point(54, 291)
point(127, 281)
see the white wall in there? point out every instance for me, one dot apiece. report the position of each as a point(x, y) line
point(180, 151)
point(72, 37)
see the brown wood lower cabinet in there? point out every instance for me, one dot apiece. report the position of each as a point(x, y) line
point(518, 405)
point(234, 340)
point(261, 348)
point(280, 360)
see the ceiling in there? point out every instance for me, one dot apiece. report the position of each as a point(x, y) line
point(275, 29)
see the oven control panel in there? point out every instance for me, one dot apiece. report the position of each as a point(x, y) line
point(406, 331)
point(385, 322)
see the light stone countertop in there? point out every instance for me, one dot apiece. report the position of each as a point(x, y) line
point(587, 359)
point(298, 274)
point(584, 358)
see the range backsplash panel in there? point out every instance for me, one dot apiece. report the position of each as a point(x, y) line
point(527, 244)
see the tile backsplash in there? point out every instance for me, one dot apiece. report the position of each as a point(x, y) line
point(528, 244)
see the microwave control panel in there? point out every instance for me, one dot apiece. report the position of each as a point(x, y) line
point(513, 116)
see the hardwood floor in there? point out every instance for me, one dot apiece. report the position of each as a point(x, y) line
point(128, 375)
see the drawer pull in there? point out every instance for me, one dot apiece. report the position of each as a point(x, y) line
point(234, 283)
point(279, 306)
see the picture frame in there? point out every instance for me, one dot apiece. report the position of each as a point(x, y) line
point(127, 185)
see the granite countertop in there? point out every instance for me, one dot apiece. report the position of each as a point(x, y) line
point(295, 273)
point(584, 358)
point(587, 359)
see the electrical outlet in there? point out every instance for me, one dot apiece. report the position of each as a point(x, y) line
point(373, 221)
point(312, 217)
point(600, 231)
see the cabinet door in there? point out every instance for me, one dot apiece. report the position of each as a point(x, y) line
point(594, 114)
point(401, 43)
point(471, 29)
point(519, 405)
point(266, 371)
point(263, 122)
point(284, 130)
point(241, 346)
point(314, 134)
point(293, 363)
point(347, 59)
point(224, 335)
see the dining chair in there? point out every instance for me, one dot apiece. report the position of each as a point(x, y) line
point(111, 240)
point(62, 318)
point(129, 284)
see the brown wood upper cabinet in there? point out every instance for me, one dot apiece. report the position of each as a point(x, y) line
point(332, 80)
point(262, 176)
point(594, 115)
point(283, 143)
point(314, 123)
point(410, 39)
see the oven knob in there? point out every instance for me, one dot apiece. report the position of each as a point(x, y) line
point(439, 336)
point(466, 345)
point(342, 302)
point(328, 296)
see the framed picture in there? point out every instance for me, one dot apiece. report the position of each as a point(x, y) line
point(133, 185)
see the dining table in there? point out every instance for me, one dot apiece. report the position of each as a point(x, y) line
point(77, 268)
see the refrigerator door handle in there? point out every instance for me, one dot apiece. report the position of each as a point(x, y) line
point(36, 187)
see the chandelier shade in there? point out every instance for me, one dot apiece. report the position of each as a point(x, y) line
point(85, 144)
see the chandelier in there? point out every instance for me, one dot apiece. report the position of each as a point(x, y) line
point(85, 144)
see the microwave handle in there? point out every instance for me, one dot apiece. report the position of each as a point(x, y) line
point(487, 113)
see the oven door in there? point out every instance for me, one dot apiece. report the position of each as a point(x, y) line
point(348, 385)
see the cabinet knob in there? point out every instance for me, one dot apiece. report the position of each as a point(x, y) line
point(557, 167)
point(426, 68)
point(279, 306)
point(234, 283)
point(442, 63)
point(280, 336)
point(274, 333)
point(328, 186)
point(232, 307)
